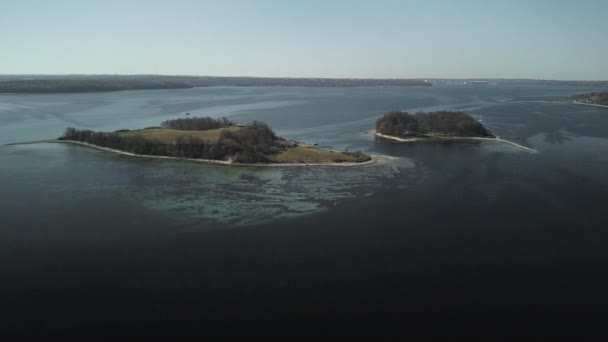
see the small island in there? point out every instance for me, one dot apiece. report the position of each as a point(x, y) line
point(403, 126)
point(218, 141)
point(596, 99)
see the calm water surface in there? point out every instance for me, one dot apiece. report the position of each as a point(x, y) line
point(436, 231)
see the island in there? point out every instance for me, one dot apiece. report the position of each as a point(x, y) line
point(436, 126)
point(403, 126)
point(218, 141)
point(595, 98)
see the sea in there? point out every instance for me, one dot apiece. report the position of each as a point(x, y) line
point(480, 233)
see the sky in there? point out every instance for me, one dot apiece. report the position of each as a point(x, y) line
point(538, 39)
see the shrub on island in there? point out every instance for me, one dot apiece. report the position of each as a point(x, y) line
point(249, 144)
point(442, 123)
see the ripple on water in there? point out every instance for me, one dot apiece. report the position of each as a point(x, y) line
point(194, 192)
point(240, 196)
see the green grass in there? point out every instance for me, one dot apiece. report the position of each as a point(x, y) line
point(432, 135)
point(305, 154)
point(168, 136)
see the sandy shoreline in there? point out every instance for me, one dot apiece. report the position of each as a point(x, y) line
point(416, 139)
point(589, 104)
point(206, 161)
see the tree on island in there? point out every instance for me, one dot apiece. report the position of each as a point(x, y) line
point(196, 124)
point(397, 124)
point(404, 124)
point(249, 144)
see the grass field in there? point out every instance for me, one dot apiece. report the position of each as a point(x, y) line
point(168, 136)
point(305, 154)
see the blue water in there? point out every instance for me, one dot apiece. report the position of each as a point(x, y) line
point(436, 230)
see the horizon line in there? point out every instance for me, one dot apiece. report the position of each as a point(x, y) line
point(306, 77)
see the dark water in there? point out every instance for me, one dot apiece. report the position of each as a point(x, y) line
point(478, 233)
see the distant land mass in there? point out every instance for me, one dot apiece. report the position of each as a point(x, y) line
point(596, 98)
point(36, 84)
point(517, 82)
point(49, 84)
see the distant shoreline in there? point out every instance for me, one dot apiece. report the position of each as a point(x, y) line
point(446, 138)
point(65, 84)
point(563, 102)
point(205, 161)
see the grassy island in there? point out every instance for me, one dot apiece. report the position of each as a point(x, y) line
point(443, 124)
point(213, 140)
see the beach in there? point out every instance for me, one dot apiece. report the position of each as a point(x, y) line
point(418, 139)
point(206, 161)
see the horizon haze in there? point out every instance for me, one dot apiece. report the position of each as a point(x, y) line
point(556, 40)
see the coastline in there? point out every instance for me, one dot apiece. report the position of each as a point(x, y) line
point(563, 102)
point(417, 139)
point(205, 161)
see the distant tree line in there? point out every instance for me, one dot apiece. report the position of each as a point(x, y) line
point(52, 86)
point(101, 83)
point(104, 83)
point(524, 82)
point(404, 124)
point(250, 144)
point(196, 124)
point(598, 84)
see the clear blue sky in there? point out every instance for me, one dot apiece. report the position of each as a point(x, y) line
point(550, 39)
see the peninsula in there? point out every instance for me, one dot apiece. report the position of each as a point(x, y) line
point(218, 141)
point(596, 98)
